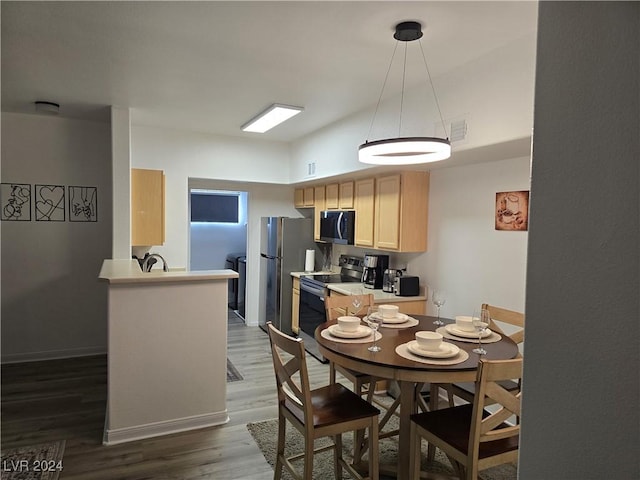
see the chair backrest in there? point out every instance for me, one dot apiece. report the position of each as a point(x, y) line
point(506, 316)
point(337, 305)
point(504, 403)
point(290, 366)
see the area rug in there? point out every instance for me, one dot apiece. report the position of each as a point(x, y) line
point(233, 375)
point(265, 435)
point(38, 462)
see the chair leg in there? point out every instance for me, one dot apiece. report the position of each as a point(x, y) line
point(414, 454)
point(337, 455)
point(308, 459)
point(359, 435)
point(277, 471)
point(374, 460)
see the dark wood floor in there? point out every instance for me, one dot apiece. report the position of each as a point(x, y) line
point(66, 400)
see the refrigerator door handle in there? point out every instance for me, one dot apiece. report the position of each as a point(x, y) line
point(269, 257)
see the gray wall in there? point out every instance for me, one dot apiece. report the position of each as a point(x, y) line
point(581, 379)
point(52, 303)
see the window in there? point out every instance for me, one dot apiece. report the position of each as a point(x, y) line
point(214, 207)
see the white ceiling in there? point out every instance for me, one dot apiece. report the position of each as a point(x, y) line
point(211, 66)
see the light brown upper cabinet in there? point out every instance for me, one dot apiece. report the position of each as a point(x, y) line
point(319, 203)
point(331, 196)
point(346, 195)
point(303, 197)
point(401, 212)
point(147, 207)
point(364, 202)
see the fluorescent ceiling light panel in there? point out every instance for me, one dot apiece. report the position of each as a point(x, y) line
point(272, 116)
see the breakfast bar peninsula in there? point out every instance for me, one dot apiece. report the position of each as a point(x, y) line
point(167, 350)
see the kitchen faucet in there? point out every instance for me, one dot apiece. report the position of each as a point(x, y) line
point(146, 265)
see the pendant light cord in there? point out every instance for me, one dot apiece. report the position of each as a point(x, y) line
point(433, 90)
point(382, 91)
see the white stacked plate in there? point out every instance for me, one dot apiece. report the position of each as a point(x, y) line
point(399, 318)
point(458, 332)
point(446, 350)
point(360, 332)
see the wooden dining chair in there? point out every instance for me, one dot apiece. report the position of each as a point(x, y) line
point(473, 438)
point(336, 306)
point(466, 391)
point(327, 411)
point(363, 384)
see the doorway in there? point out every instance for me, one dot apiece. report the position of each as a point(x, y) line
point(218, 237)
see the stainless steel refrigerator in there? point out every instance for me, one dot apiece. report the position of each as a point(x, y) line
point(283, 245)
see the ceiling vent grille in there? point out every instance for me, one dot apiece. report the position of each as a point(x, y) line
point(458, 130)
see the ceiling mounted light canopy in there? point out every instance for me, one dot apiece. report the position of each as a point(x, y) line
point(51, 108)
point(269, 118)
point(405, 150)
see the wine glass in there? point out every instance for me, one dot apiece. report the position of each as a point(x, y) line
point(439, 298)
point(357, 303)
point(374, 320)
point(481, 322)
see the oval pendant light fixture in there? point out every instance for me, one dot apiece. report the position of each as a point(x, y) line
point(405, 150)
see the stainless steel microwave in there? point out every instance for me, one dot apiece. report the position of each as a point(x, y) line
point(338, 226)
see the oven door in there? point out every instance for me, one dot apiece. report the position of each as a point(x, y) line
point(312, 311)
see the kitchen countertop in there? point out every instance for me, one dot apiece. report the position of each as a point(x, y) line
point(128, 271)
point(322, 272)
point(378, 295)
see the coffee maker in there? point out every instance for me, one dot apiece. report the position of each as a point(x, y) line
point(374, 267)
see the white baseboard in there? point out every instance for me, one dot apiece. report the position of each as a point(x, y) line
point(53, 354)
point(139, 432)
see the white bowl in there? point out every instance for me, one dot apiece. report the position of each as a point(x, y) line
point(428, 340)
point(388, 311)
point(465, 322)
point(348, 323)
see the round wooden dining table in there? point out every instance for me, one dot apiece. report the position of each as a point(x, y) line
point(387, 364)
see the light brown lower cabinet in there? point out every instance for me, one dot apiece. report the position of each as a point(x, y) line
point(295, 306)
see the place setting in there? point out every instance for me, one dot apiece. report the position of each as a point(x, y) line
point(392, 317)
point(429, 347)
point(349, 329)
point(471, 329)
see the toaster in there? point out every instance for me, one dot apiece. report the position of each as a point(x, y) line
point(407, 286)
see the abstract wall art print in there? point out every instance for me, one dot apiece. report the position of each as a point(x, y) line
point(16, 201)
point(49, 203)
point(83, 204)
point(512, 211)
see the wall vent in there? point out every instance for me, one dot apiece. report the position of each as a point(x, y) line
point(311, 169)
point(458, 130)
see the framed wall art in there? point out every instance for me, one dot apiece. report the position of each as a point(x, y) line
point(512, 211)
point(16, 202)
point(49, 203)
point(83, 204)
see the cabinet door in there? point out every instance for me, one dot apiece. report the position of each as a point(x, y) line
point(346, 195)
point(295, 306)
point(319, 204)
point(388, 212)
point(331, 198)
point(298, 198)
point(308, 197)
point(147, 207)
point(364, 206)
